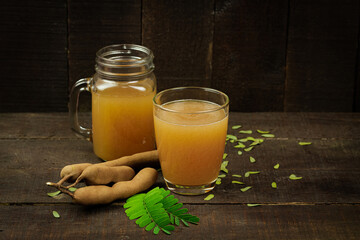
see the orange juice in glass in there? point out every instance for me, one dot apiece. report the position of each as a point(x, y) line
point(190, 129)
point(122, 90)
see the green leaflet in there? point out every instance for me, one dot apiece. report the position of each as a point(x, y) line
point(248, 149)
point(225, 155)
point(247, 174)
point(236, 127)
point(246, 131)
point(237, 182)
point(231, 137)
point(222, 175)
point(209, 197)
point(260, 131)
point(277, 166)
point(239, 145)
point(53, 194)
point(245, 188)
point(158, 210)
point(218, 181)
point(267, 135)
point(252, 159)
point(223, 166)
point(56, 214)
point(294, 177)
point(304, 143)
point(239, 153)
point(273, 185)
point(253, 204)
point(236, 175)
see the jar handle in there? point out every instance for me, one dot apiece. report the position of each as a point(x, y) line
point(81, 85)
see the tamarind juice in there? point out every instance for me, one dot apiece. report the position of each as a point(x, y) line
point(191, 139)
point(122, 121)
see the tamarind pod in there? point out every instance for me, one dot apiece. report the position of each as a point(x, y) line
point(136, 161)
point(98, 174)
point(100, 194)
point(71, 172)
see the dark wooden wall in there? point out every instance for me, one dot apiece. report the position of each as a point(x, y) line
point(283, 55)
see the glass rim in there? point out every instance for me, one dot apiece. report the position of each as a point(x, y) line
point(217, 108)
point(120, 49)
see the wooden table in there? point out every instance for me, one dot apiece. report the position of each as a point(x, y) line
point(324, 204)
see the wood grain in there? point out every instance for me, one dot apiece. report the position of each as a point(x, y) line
point(33, 56)
point(93, 25)
point(216, 222)
point(180, 34)
point(321, 55)
point(249, 53)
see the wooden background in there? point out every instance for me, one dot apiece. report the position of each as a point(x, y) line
point(284, 55)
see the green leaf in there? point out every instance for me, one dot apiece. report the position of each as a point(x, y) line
point(248, 149)
point(218, 181)
point(247, 174)
point(223, 166)
point(239, 153)
point(237, 182)
point(260, 131)
point(268, 135)
point(53, 194)
point(277, 166)
point(246, 131)
point(245, 188)
point(239, 145)
point(257, 142)
point(56, 214)
point(304, 143)
point(156, 230)
point(236, 175)
point(253, 204)
point(294, 177)
point(252, 160)
point(150, 226)
point(225, 155)
point(236, 127)
point(222, 175)
point(72, 189)
point(231, 137)
point(209, 197)
point(273, 185)
point(185, 223)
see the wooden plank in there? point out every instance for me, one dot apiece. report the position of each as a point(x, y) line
point(216, 221)
point(249, 53)
point(321, 55)
point(329, 169)
point(93, 25)
point(180, 34)
point(283, 125)
point(34, 64)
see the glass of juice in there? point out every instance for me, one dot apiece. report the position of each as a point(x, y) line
point(190, 130)
point(122, 90)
